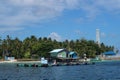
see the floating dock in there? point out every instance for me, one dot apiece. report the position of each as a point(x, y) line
point(50, 65)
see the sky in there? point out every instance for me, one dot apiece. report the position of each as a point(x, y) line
point(61, 19)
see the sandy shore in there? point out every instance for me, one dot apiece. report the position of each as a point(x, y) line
point(15, 61)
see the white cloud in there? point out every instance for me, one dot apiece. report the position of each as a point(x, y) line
point(4, 29)
point(24, 12)
point(55, 36)
point(111, 5)
point(94, 8)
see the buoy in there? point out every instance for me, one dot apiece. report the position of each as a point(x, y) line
point(33, 65)
point(36, 65)
point(26, 65)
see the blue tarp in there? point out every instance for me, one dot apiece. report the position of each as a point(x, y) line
point(109, 53)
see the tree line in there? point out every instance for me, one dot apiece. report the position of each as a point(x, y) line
point(33, 47)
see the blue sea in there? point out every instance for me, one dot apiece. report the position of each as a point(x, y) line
point(98, 71)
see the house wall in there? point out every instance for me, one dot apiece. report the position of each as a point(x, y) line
point(62, 54)
point(54, 54)
point(73, 55)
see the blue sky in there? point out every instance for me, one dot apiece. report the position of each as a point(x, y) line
point(61, 19)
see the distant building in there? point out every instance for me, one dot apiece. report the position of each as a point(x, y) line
point(9, 58)
point(109, 53)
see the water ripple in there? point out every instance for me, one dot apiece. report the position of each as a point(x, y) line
point(99, 71)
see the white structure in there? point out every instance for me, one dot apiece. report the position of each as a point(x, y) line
point(98, 36)
point(12, 59)
point(44, 61)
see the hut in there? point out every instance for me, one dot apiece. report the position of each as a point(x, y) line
point(109, 53)
point(9, 58)
point(63, 55)
point(59, 53)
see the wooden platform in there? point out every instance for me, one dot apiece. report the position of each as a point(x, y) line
point(50, 65)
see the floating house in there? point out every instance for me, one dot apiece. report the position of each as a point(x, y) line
point(59, 53)
point(63, 53)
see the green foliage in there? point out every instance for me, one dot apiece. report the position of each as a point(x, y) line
point(40, 47)
point(27, 54)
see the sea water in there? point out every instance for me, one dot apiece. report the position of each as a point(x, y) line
point(98, 71)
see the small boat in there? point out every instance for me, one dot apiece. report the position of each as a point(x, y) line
point(44, 62)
